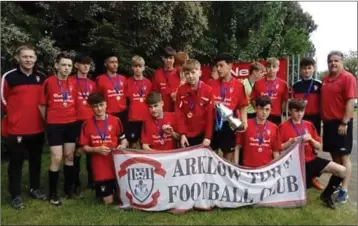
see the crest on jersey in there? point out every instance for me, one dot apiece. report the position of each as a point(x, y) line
point(38, 78)
point(277, 86)
point(268, 132)
point(110, 127)
point(315, 87)
point(103, 188)
point(231, 90)
point(144, 87)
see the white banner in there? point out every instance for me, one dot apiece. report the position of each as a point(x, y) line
point(182, 179)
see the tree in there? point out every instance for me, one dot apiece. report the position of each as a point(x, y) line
point(350, 62)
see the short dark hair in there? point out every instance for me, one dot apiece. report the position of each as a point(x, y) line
point(307, 61)
point(262, 101)
point(83, 59)
point(227, 57)
point(110, 54)
point(95, 98)
point(168, 52)
point(335, 53)
point(298, 104)
point(256, 66)
point(153, 98)
point(63, 55)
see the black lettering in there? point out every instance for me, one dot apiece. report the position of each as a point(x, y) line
point(265, 193)
point(184, 192)
point(264, 176)
point(201, 167)
point(195, 193)
point(190, 166)
point(204, 185)
point(210, 164)
point(213, 191)
point(281, 186)
point(233, 172)
point(246, 196)
point(226, 195)
point(221, 170)
point(276, 171)
point(253, 175)
point(178, 169)
point(292, 185)
point(172, 193)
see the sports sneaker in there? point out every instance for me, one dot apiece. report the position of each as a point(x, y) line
point(55, 200)
point(328, 201)
point(316, 184)
point(37, 194)
point(17, 203)
point(342, 197)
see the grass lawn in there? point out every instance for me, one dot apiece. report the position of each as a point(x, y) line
point(89, 211)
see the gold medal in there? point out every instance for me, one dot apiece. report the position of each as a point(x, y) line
point(84, 102)
point(118, 97)
point(259, 149)
point(65, 104)
point(190, 115)
point(162, 141)
point(141, 99)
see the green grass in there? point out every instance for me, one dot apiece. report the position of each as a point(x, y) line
point(89, 211)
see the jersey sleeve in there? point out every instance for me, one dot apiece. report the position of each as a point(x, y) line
point(285, 91)
point(44, 93)
point(314, 133)
point(4, 93)
point(120, 132)
point(276, 140)
point(350, 90)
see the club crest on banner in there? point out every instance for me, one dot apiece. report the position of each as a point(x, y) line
point(140, 173)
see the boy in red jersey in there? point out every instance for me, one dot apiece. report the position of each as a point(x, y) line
point(113, 86)
point(166, 80)
point(273, 87)
point(295, 127)
point(57, 106)
point(157, 131)
point(260, 141)
point(20, 92)
point(138, 89)
point(231, 93)
point(99, 136)
point(84, 87)
point(194, 108)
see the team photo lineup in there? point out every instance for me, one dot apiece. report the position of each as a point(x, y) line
point(179, 107)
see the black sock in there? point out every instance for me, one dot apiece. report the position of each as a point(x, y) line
point(77, 170)
point(69, 176)
point(53, 179)
point(332, 185)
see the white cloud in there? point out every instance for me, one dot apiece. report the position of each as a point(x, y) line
point(337, 28)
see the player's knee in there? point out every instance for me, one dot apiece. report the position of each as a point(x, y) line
point(68, 157)
point(56, 158)
point(108, 200)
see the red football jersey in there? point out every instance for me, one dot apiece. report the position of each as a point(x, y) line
point(59, 110)
point(194, 110)
point(277, 89)
point(231, 93)
point(153, 134)
point(102, 166)
point(84, 87)
point(335, 93)
point(138, 91)
point(4, 127)
point(253, 155)
point(287, 131)
point(165, 83)
point(116, 102)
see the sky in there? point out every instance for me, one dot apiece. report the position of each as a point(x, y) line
point(337, 28)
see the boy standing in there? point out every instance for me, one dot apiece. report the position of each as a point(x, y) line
point(315, 166)
point(138, 90)
point(157, 131)
point(166, 80)
point(194, 108)
point(273, 87)
point(99, 136)
point(231, 93)
point(260, 142)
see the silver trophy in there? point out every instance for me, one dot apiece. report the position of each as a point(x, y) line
point(228, 115)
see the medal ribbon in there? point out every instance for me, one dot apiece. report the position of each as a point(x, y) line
point(141, 89)
point(160, 130)
point(298, 133)
point(193, 97)
point(100, 133)
point(64, 92)
point(83, 94)
point(166, 75)
point(117, 86)
point(260, 136)
point(270, 91)
point(308, 91)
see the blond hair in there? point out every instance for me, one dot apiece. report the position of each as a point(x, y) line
point(191, 64)
point(24, 47)
point(138, 60)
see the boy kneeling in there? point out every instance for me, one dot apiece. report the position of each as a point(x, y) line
point(99, 136)
point(295, 127)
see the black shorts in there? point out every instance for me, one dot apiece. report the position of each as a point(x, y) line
point(105, 188)
point(314, 169)
point(315, 120)
point(134, 131)
point(79, 124)
point(276, 119)
point(193, 141)
point(251, 115)
point(123, 116)
point(333, 142)
point(58, 134)
point(224, 139)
